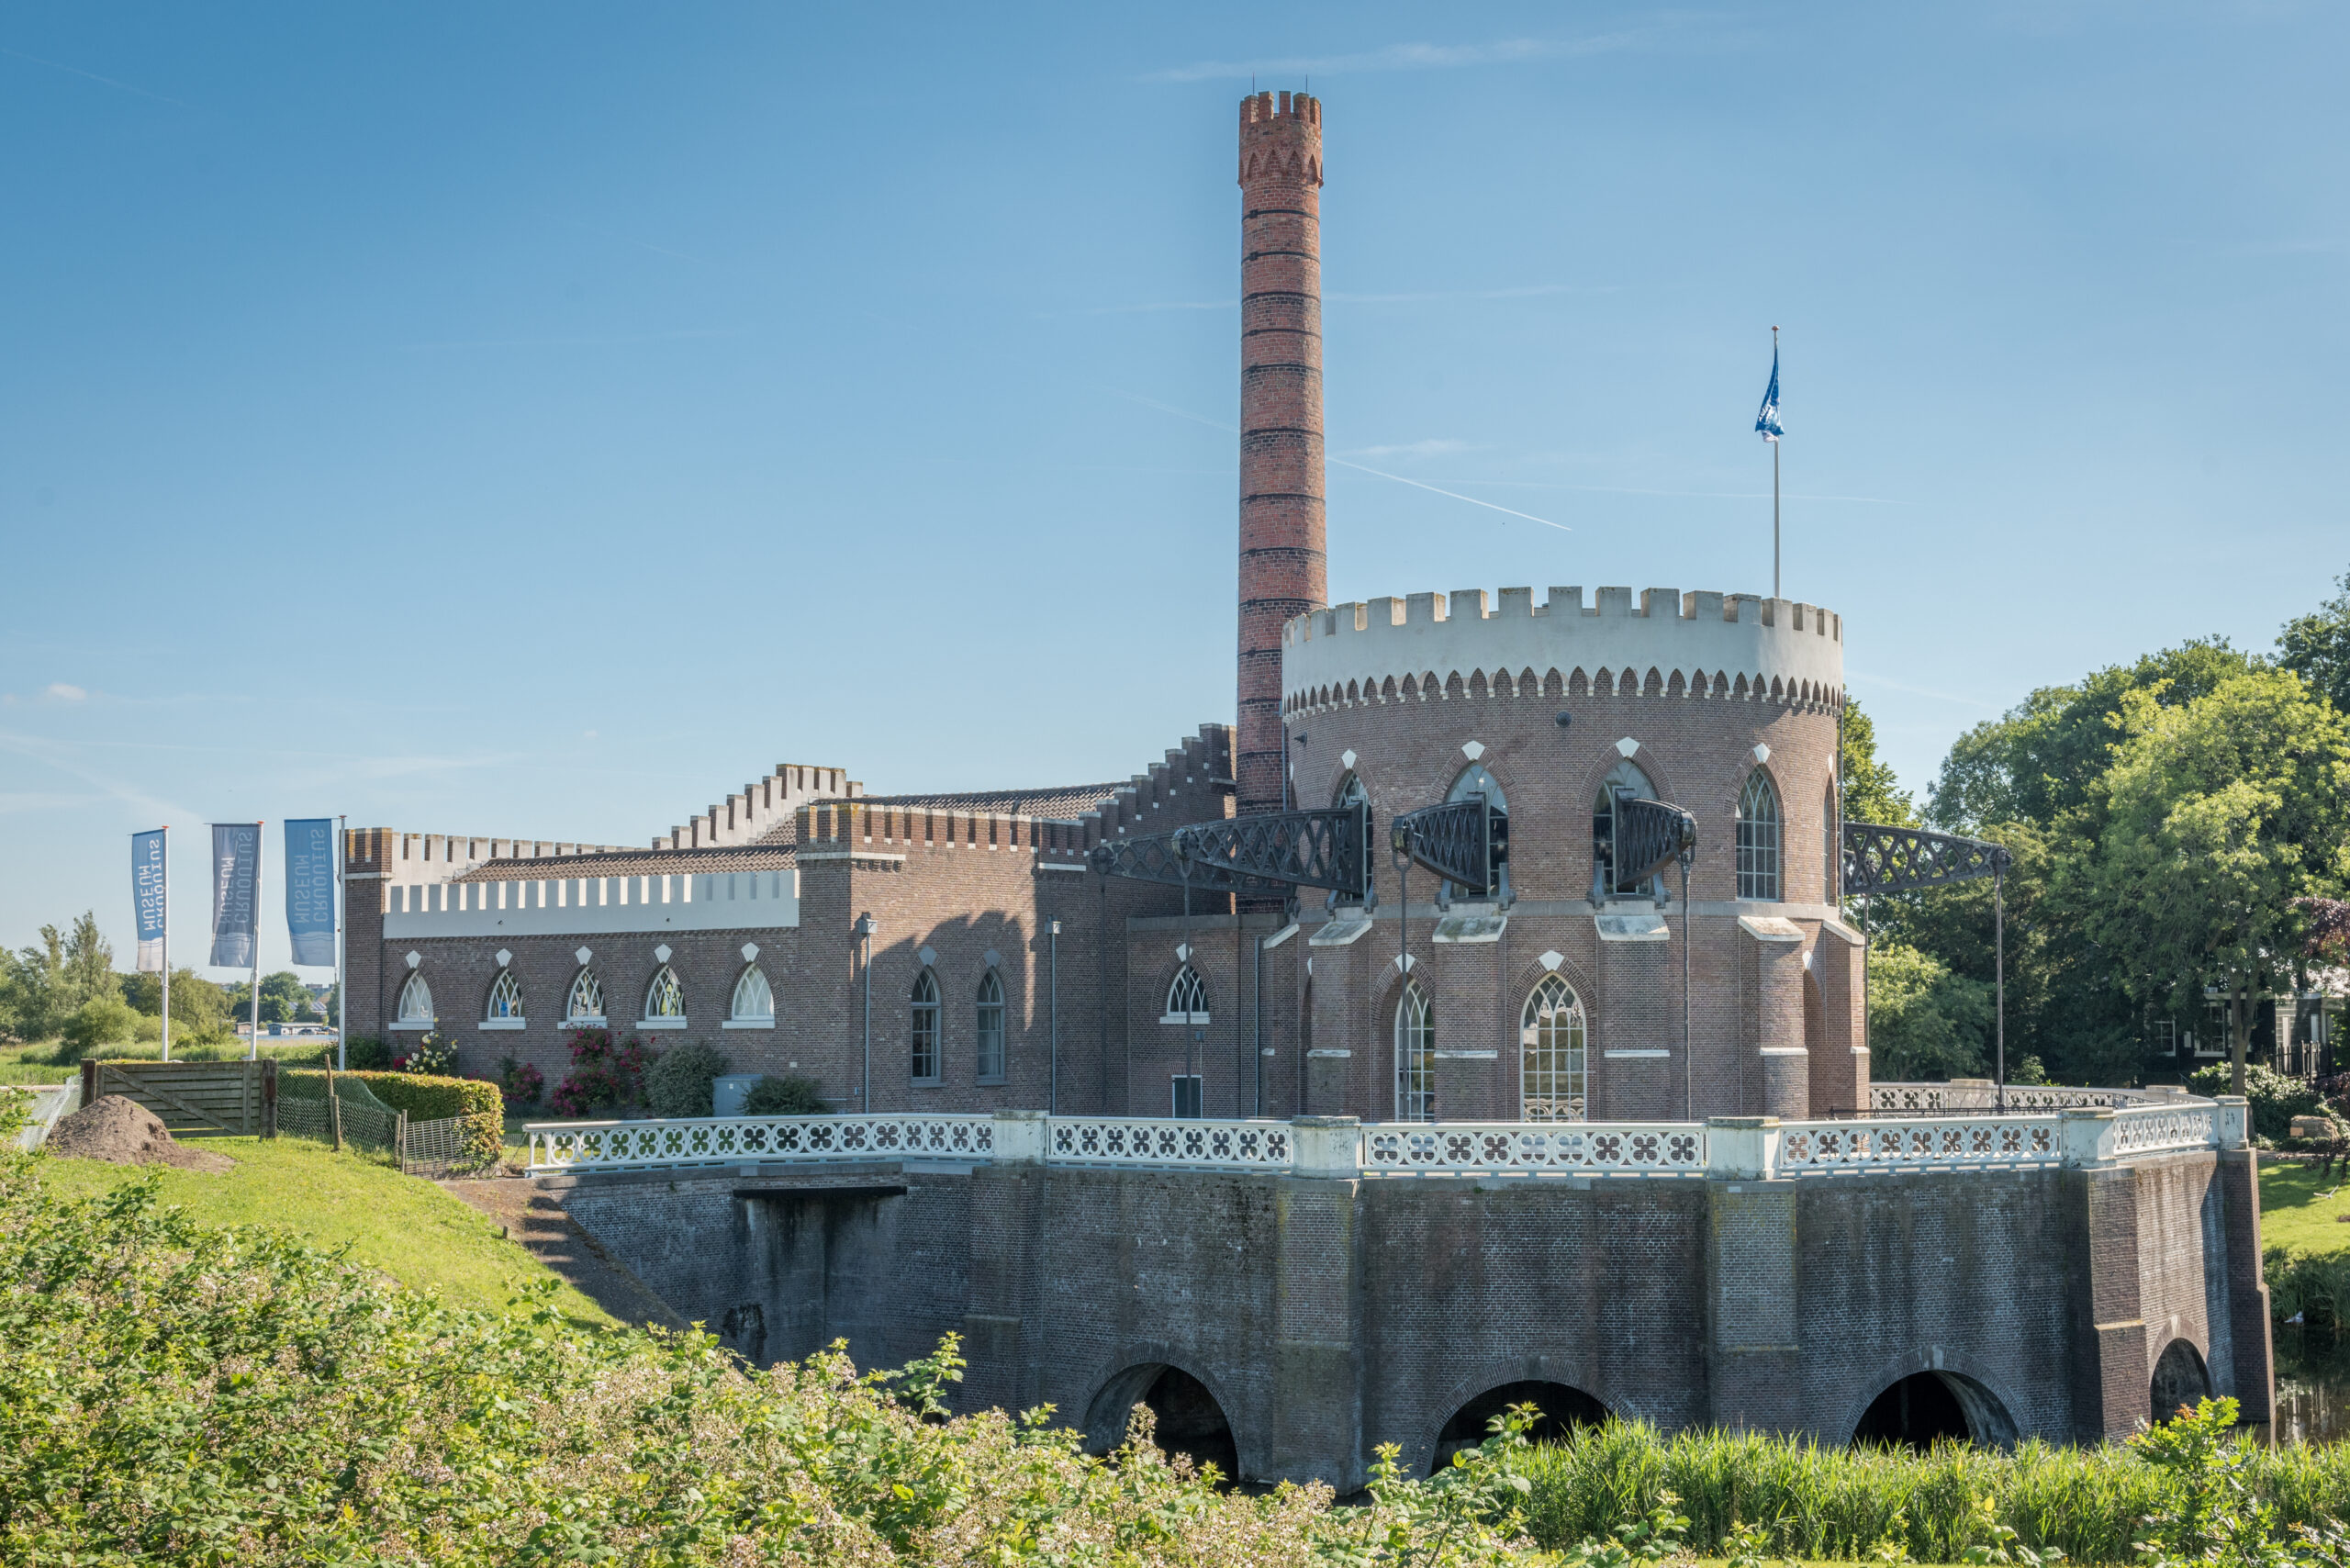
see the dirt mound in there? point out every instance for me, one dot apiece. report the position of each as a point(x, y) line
point(118, 1128)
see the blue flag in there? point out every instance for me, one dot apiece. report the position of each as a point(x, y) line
point(1767, 420)
point(310, 890)
point(147, 888)
point(236, 893)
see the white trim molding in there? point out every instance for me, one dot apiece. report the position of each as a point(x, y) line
point(500, 1024)
point(748, 1024)
point(660, 1022)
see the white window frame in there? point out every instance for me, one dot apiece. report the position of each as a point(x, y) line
point(1762, 869)
point(1573, 1058)
point(1415, 1054)
point(1186, 987)
point(504, 1008)
point(401, 1017)
point(737, 1018)
point(925, 1000)
point(991, 985)
point(572, 1016)
point(652, 1020)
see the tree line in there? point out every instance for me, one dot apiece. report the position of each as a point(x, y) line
point(64, 987)
point(2180, 832)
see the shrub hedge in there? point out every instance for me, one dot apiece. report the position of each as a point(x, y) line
point(425, 1098)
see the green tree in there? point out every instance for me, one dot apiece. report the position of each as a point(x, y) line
point(199, 1008)
point(2214, 819)
point(1871, 792)
point(2037, 761)
point(51, 980)
point(2316, 647)
point(1924, 1022)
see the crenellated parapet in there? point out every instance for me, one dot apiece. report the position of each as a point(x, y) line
point(1433, 647)
point(761, 807)
point(425, 858)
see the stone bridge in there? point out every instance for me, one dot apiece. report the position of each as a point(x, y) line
point(1289, 1295)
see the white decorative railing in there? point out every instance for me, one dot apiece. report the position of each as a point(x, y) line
point(1916, 1146)
point(1338, 1146)
point(1967, 1094)
point(1163, 1140)
point(1505, 1148)
point(730, 1140)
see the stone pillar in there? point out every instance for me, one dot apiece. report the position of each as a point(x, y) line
point(1840, 1056)
point(1326, 1072)
point(2255, 1363)
point(1315, 1426)
point(2110, 1398)
point(1781, 1074)
point(1002, 1341)
point(1755, 1370)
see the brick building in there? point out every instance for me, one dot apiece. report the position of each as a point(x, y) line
point(955, 952)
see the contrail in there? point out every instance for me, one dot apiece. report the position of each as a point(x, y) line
point(1375, 473)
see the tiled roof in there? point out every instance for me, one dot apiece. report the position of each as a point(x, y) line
point(1059, 804)
point(635, 863)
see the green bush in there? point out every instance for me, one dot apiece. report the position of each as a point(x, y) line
point(425, 1098)
point(789, 1096)
point(678, 1082)
point(99, 1022)
point(175, 1393)
point(364, 1053)
point(2275, 1099)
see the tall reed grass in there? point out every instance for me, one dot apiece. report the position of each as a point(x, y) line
point(1837, 1503)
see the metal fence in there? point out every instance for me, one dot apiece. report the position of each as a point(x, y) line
point(348, 1116)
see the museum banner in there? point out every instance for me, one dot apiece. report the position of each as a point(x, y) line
point(310, 890)
point(236, 894)
point(148, 887)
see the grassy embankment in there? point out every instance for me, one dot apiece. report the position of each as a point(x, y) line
point(401, 1226)
point(37, 1061)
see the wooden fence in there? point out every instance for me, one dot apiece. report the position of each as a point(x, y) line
point(192, 1096)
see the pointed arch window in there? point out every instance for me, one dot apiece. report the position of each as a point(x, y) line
point(504, 1008)
point(1414, 1055)
point(1478, 779)
point(990, 1033)
point(1553, 1055)
point(1758, 838)
point(922, 1026)
point(1187, 998)
point(1351, 790)
point(585, 1003)
point(414, 1010)
point(1607, 882)
point(753, 1004)
point(664, 1001)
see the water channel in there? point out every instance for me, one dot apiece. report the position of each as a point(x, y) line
point(2312, 1385)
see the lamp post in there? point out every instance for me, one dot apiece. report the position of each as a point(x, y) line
point(864, 931)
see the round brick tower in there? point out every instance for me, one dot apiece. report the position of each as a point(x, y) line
point(1283, 571)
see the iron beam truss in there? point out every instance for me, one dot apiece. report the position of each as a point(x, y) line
point(1464, 841)
point(1650, 835)
point(1880, 860)
point(1269, 854)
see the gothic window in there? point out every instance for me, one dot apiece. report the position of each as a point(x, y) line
point(1350, 791)
point(1607, 881)
point(1551, 1043)
point(1414, 1056)
point(587, 1003)
point(922, 1012)
point(665, 998)
point(1758, 838)
point(754, 1000)
point(990, 1028)
point(1476, 779)
point(416, 1002)
point(1187, 998)
point(505, 998)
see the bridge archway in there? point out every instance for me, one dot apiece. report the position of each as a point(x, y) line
point(2180, 1378)
point(1925, 1406)
point(1189, 1420)
point(1563, 1408)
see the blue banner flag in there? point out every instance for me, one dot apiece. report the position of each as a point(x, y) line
point(147, 888)
point(310, 890)
point(236, 893)
point(1767, 421)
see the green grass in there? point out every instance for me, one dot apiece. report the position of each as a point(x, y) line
point(2301, 1211)
point(35, 1062)
point(401, 1226)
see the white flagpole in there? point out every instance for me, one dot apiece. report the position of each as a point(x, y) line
point(261, 852)
point(341, 1009)
point(167, 941)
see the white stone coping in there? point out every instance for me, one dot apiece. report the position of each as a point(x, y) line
point(748, 1024)
point(493, 1024)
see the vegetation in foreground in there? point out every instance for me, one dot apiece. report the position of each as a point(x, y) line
point(176, 1391)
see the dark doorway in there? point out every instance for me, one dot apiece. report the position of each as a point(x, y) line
point(2179, 1380)
point(1563, 1409)
point(1929, 1406)
point(1188, 1420)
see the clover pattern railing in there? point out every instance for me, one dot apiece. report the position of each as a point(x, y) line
point(1446, 1148)
point(2148, 1129)
point(1153, 1140)
point(2022, 1098)
point(723, 1140)
point(1921, 1145)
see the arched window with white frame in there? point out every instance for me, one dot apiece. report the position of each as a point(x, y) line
point(753, 1004)
point(1554, 1054)
point(1414, 1055)
point(989, 1034)
point(585, 1003)
point(922, 1025)
point(1758, 838)
point(1187, 998)
point(505, 1009)
point(414, 1010)
point(664, 1001)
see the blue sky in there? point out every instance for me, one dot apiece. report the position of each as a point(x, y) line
point(541, 419)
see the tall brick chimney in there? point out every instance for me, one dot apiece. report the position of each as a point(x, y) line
point(1282, 570)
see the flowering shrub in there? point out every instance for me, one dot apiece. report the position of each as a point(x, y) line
point(434, 1054)
point(603, 1073)
point(519, 1083)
